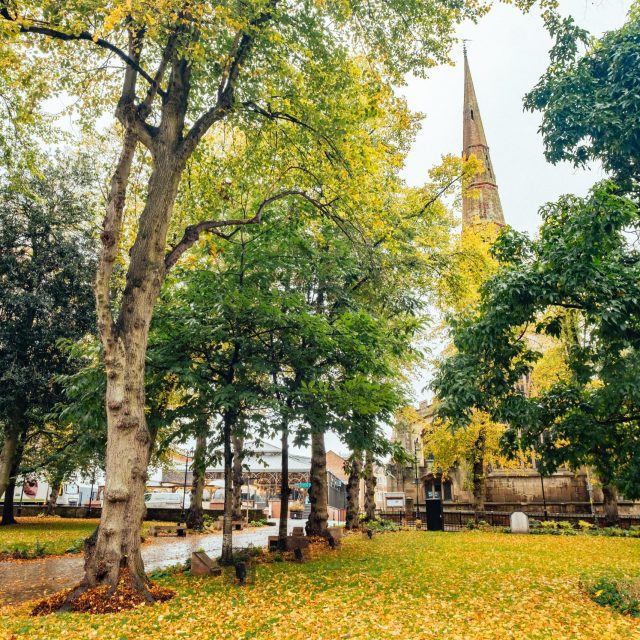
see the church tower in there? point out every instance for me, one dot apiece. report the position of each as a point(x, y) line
point(483, 204)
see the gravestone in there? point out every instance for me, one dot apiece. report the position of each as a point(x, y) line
point(298, 531)
point(203, 565)
point(519, 522)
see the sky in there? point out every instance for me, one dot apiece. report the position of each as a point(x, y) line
point(507, 52)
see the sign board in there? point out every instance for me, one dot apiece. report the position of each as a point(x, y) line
point(394, 500)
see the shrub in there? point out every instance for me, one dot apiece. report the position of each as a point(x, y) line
point(617, 594)
point(171, 570)
point(262, 522)
point(382, 525)
point(583, 525)
point(76, 546)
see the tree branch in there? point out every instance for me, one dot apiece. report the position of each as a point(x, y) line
point(192, 232)
point(240, 48)
point(86, 36)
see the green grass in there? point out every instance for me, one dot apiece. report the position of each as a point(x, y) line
point(38, 537)
point(411, 585)
point(33, 537)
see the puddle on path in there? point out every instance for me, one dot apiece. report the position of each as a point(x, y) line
point(25, 580)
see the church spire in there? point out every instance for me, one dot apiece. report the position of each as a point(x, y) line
point(484, 203)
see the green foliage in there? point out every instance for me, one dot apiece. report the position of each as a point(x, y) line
point(619, 595)
point(588, 102)
point(581, 261)
point(263, 522)
point(47, 259)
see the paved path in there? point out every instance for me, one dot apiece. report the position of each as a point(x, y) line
point(27, 579)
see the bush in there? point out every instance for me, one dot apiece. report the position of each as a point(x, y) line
point(619, 595)
point(381, 525)
point(24, 551)
point(170, 571)
point(262, 522)
point(583, 525)
point(77, 546)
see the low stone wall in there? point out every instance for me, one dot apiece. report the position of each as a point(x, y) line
point(164, 515)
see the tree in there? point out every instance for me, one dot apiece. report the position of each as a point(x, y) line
point(195, 514)
point(582, 262)
point(46, 262)
point(587, 99)
point(186, 69)
point(354, 469)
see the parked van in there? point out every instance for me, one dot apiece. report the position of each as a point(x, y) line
point(165, 500)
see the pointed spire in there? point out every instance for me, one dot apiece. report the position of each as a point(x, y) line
point(484, 203)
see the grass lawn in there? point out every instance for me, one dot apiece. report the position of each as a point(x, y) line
point(36, 537)
point(410, 585)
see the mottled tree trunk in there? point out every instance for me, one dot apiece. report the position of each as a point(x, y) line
point(318, 492)
point(478, 477)
point(369, 488)
point(284, 491)
point(129, 440)
point(54, 492)
point(195, 514)
point(238, 445)
point(227, 519)
point(610, 493)
point(353, 491)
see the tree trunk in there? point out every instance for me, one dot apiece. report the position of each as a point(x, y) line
point(284, 491)
point(7, 512)
point(479, 479)
point(369, 488)
point(318, 492)
point(7, 456)
point(129, 440)
point(238, 444)
point(53, 496)
point(7, 507)
point(610, 493)
point(353, 491)
point(195, 514)
point(227, 520)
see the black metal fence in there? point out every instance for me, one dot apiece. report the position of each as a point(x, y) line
point(458, 519)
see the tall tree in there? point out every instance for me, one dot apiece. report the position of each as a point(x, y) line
point(354, 469)
point(582, 262)
point(188, 68)
point(46, 263)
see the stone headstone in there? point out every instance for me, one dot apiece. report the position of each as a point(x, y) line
point(203, 565)
point(298, 531)
point(519, 522)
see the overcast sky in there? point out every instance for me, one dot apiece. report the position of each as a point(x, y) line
point(508, 52)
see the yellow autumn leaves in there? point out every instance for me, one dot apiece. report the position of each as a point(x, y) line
point(412, 585)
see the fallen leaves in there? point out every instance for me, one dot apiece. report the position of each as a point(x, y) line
point(102, 600)
point(412, 585)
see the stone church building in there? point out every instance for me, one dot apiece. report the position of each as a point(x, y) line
point(507, 490)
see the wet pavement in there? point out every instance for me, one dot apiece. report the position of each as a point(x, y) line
point(28, 579)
